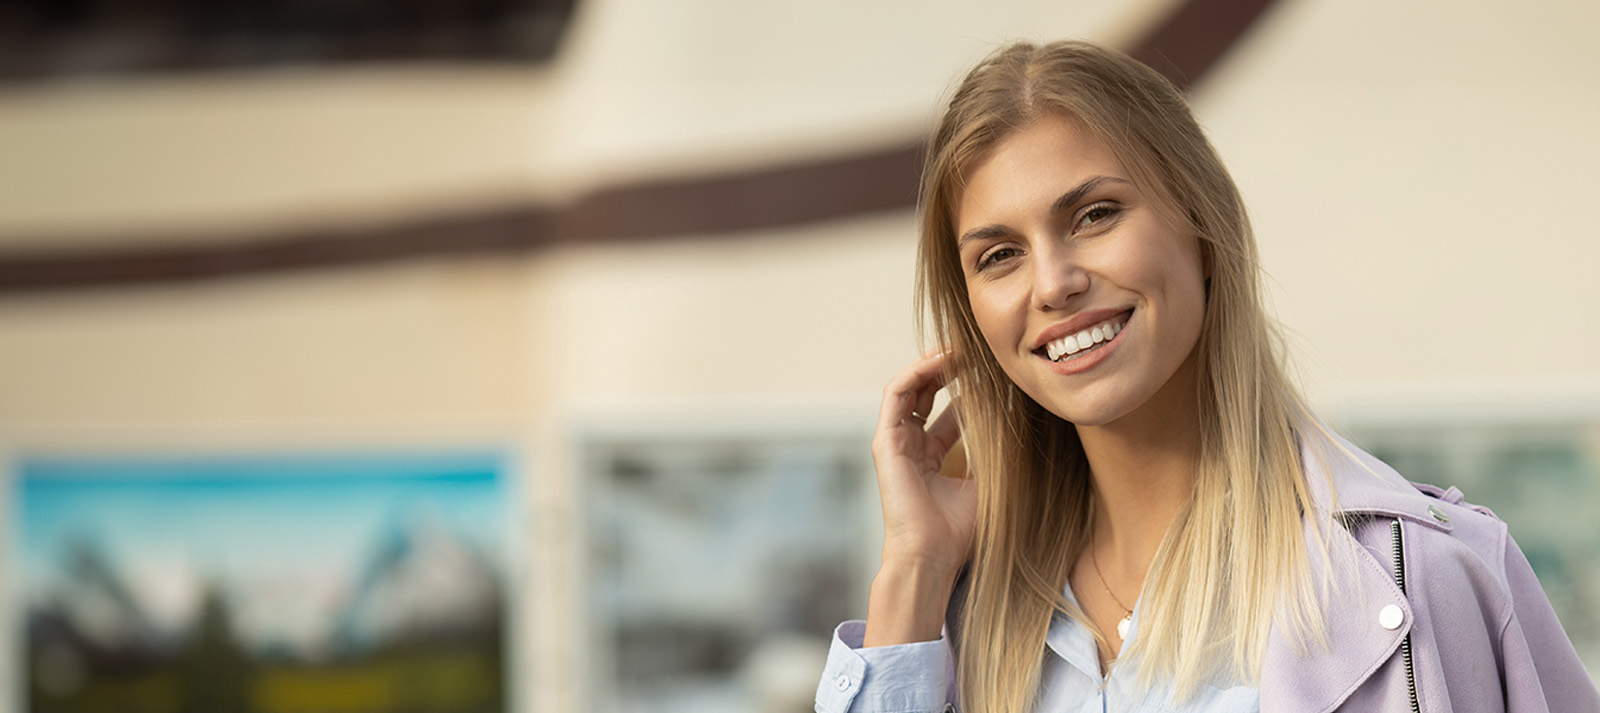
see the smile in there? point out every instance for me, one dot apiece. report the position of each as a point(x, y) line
point(1077, 345)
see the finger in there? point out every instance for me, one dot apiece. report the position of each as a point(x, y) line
point(922, 402)
point(922, 406)
point(908, 397)
point(946, 430)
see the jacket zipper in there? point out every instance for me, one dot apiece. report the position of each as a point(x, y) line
point(1405, 644)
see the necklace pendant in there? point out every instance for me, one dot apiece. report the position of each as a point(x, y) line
point(1122, 627)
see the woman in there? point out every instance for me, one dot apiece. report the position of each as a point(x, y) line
point(1154, 520)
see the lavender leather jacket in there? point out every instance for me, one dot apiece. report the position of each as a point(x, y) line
point(1482, 635)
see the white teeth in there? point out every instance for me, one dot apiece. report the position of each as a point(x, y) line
point(1074, 343)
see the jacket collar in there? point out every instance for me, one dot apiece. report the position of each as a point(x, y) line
point(1362, 485)
point(1312, 677)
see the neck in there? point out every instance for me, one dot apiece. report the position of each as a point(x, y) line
point(1143, 469)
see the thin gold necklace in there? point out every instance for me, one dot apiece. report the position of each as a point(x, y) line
point(1127, 620)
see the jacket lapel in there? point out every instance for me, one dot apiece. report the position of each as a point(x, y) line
point(1307, 676)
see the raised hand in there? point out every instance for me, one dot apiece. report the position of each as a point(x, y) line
point(927, 516)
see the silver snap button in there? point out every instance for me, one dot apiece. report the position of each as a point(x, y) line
point(1390, 617)
point(843, 681)
point(1438, 514)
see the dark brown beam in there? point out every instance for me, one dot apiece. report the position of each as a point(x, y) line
point(1188, 44)
point(503, 231)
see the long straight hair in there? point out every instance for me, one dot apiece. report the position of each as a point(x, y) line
point(1236, 556)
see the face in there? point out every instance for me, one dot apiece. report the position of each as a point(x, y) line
point(1091, 302)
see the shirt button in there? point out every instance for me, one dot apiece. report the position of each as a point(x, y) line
point(1438, 514)
point(843, 682)
point(1390, 617)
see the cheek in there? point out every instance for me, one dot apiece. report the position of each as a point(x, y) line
point(998, 317)
point(1186, 295)
point(1165, 266)
point(1003, 322)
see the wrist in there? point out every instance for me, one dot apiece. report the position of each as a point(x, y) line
point(920, 572)
point(908, 602)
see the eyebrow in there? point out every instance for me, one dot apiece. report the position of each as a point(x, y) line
point(1060, 205)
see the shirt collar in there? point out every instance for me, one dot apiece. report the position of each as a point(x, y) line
point(1071, 640)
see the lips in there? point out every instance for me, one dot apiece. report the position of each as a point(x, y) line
point(1076, 343)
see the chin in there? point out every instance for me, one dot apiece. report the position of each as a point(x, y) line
point(1083, 420)
point(1077, 414)
point(1099, 407)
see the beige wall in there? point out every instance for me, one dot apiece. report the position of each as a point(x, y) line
point(1421, 188)
point(186, 158)
point(438, 341)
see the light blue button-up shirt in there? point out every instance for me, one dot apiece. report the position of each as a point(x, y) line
point(920, 677)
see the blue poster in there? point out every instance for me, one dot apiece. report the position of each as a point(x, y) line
point(357, 583)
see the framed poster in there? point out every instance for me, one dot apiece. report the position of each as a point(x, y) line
point(720, 562)
point(273, 584)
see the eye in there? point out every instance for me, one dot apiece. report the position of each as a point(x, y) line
point(996, 255)
point(1096, 214)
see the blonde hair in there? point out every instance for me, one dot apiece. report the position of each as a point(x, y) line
point(1236, 555)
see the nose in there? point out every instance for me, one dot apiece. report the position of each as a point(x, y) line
point(1057, 278)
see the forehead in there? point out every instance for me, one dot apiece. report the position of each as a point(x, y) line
point(1037, 162)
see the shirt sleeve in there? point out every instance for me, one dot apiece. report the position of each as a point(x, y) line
point(1541, 669)
point(905, 678)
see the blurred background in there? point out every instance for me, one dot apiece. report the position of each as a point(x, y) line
point(643, 268)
